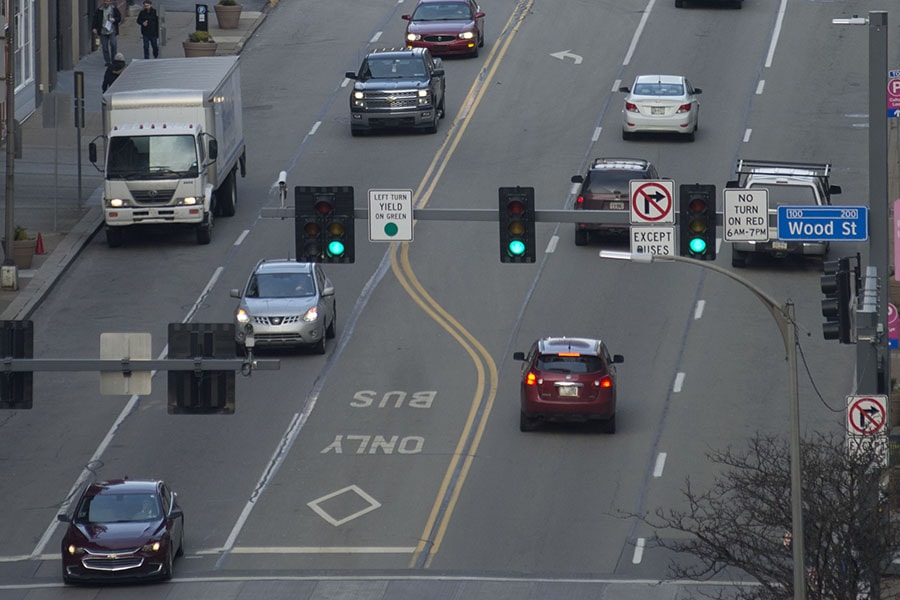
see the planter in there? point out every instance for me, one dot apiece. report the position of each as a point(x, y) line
point(228, 16)
point(193, 49)
point(23, 252)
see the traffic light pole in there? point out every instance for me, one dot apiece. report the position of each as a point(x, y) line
point(784, 318)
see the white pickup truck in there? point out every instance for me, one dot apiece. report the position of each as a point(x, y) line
point(789, 184)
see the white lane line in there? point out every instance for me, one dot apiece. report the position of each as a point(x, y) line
point(375, 37)
point(240, 239)
point(637, 34)
point(698, 310)
point(760, 86)
point(551, 245)
point(679, 381)
point(660, 464)
point(747, 133)
point(776, 33)
point(638, 551)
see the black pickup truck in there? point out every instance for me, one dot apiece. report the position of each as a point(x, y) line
point(397, 88)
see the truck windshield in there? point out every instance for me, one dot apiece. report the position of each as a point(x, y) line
point(159, 156)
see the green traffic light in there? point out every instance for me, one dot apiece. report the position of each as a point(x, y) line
point(336, 248)
point(697, 245)
point(516, 248)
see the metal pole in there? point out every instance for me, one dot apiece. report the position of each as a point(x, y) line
point(784, 318)
point(879, 246)
point(10, 137)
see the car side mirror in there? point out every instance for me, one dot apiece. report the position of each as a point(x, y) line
point(406, 17)
point(518, 356)
point(731, 184)
point(92, 152)
point(625, 89)
point(438, 72)
point(697, 91)
point(834, 190)
point(577, 179)
point(235, 293)
point(618, 358)
point(350, 75)
point(63, 518)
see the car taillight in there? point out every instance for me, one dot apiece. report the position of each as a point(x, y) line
point(684, 108)
point(580, 202)
point(531, 378)
point(605, 382)
point(631, 107)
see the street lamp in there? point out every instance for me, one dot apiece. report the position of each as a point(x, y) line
point(784, 317)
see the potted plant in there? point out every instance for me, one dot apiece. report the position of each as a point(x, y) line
point(200, 43)
point(24, 246)
point(228, 13)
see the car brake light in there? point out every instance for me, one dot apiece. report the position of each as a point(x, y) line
point(569, 354)
point(631, 107)
point(531, 378)
point(684, 108)
point(580, 202)
point(605, 382)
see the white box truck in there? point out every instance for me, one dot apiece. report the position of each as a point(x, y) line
point(173, 141)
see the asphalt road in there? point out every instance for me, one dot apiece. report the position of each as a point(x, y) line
point(393, 467)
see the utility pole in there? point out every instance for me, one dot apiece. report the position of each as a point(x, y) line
point(10, 78)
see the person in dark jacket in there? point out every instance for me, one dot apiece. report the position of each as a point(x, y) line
point(149, 22)
point(106, 25)
point(114, 70)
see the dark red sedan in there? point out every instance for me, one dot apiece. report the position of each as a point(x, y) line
point(568, 379)
point(446, 27)
point(122, 529)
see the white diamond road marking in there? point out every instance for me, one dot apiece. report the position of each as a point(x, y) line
point(315, 505)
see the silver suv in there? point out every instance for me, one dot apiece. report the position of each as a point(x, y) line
point(285, 304)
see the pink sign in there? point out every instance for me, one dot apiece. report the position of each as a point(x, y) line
point(896, 240)
point(893, 327)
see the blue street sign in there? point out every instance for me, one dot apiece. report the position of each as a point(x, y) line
point(823, 223)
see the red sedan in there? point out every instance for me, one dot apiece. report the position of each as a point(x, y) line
point(568, 379)
point(446, 27)
point(122, 530)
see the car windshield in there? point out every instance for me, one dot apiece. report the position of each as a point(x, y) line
point(582, 363)
point(400, 68)
point(448, 11)
point(118, 508)
point(789, 195)
point(281, 285)
point(611, 182)
point(658, 89)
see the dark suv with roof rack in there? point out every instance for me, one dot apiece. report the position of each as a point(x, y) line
point(607, 187)
point(397, 88)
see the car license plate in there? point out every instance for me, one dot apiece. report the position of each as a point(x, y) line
point(657, 110)
point(779, 245)
point(569, 391)
point(616, 206)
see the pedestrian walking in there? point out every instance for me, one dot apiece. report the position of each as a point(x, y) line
point(106, 25)
point(149, 22)
point(114, 70)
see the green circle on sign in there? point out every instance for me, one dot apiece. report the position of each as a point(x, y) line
point(391, 229)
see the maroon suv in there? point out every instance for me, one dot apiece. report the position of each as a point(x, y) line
point(446, 27)
point(568, 379)
point(607, 187)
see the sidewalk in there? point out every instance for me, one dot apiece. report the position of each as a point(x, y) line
point(48, 200)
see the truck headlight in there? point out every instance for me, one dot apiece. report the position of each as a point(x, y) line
point(190, 200)
point(116, 202)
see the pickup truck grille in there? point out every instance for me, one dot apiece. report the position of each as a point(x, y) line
point(153, 197)
point(392, 100)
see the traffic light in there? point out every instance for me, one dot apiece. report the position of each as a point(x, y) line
point(16, 387)
point(201, 392)
point(836, 309)
point(324, 221)
point(517, 240)
point(697, 221)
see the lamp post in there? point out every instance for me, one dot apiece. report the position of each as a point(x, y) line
point(784, 318)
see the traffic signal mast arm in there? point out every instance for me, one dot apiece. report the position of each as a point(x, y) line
point(19, 365)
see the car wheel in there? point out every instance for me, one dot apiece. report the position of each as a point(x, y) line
point(609, 426)
point(738, 259)
point(689, 137)
point(356, 132)
point(627, 135)
point(434, 123)
point(227, 195)
point(168, 567)
point(66, 579)
point(180, 551)
point(527, 423)
point(204, 230)
point(475, 51)
point(330, 331)
point(115, 236)
point(319, 347)
point(679, 3)
point(581, 237)
point(441, 107)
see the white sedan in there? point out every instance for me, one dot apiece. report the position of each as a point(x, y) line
point(661, 104)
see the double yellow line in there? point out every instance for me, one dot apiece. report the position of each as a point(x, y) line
point(487, 378)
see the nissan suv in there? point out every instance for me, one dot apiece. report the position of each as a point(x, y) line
point(397, 88)
point(606, 186)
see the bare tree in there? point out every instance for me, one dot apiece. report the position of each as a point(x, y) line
point(744, 521)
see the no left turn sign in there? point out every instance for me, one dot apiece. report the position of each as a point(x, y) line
point(651, 201)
